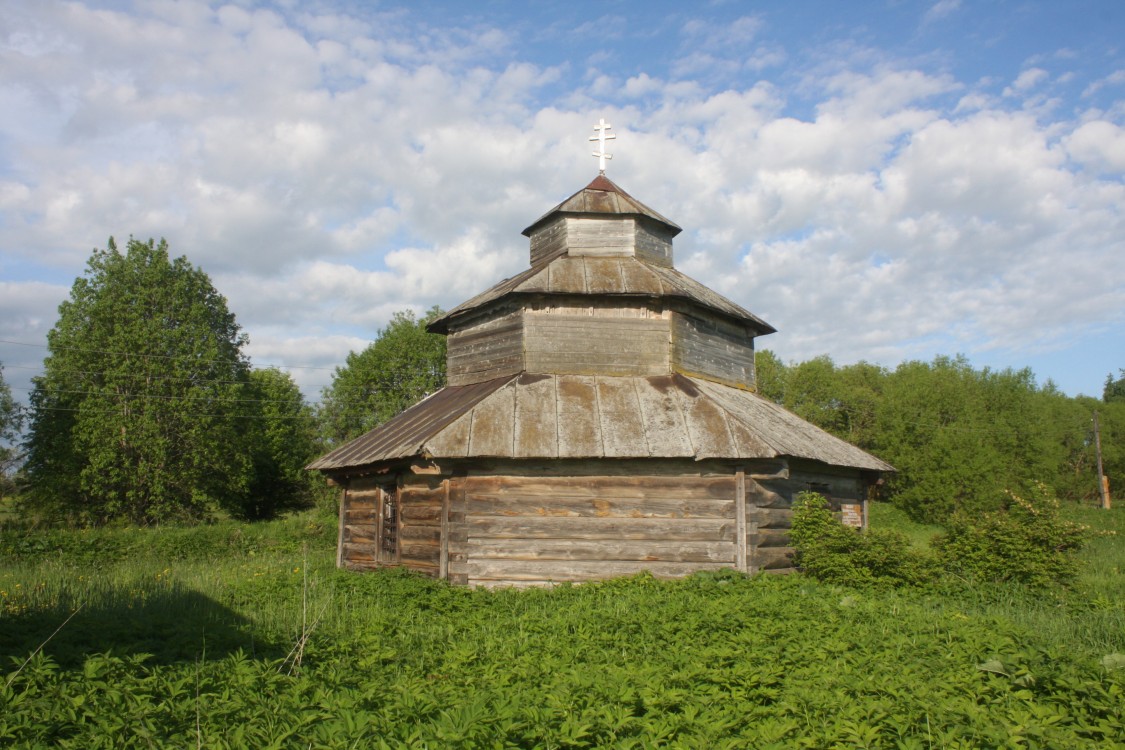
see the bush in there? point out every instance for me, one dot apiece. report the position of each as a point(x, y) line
point(1027, 542)
point(832, 552)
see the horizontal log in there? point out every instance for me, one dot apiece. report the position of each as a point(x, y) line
point(526, 570)
point(599, 508)
point(600, 486)
point(360, 565)
point(419, 554)
point(577, 527)
point(581, 550)
point(771, 558)
point(361, 515)
point(420, 513)
point(769, 538)
point(360, 552)
point(770, 518)
point(367, 500)
point(360, 533)
point(420, 533)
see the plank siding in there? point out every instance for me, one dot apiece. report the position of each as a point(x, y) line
point(485, 351)
point(711, 348)
point(587, 236)
point(588, 345)
point(653, 243)
point(548, 240)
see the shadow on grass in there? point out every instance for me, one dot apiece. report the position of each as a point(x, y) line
point(174, 624)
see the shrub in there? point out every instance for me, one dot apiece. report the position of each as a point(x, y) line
point(1028, 542)
point(832, 552)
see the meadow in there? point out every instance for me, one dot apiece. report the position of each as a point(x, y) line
point(245, 635)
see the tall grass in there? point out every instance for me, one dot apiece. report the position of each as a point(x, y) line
point(232, 636)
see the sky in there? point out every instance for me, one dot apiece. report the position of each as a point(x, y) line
point(880, 181)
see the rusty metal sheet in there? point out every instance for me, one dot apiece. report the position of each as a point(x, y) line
point(579, 426)
point(638, 278)
point(567, 276)
point(603, 195)
point(623, 433)
point(663, 419)
point(536, 419)
point(403, 435)
point(493, 429)
point(571, 416)
point(603, 276)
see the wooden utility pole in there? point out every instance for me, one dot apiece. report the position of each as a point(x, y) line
point(1103, 480)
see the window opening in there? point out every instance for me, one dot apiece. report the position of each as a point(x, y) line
point(389, 542)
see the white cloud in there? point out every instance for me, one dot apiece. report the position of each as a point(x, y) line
point(1099, 145)
point(1026, 81)
point(331, 167)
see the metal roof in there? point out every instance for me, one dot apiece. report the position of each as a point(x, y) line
point(580, 416)
point(615, 276)
point(603, 196)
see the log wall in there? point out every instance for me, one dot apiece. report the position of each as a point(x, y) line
point(592, 345)
point(548, 241)
point(360, 527)
point(501, 526)
point(713, 348)
point(534, 530)
point(486, 351)
point(421, 508)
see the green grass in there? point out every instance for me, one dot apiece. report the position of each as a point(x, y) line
point(891, 518)
point(247, 636)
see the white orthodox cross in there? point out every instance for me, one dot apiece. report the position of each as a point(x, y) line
point(601, 138)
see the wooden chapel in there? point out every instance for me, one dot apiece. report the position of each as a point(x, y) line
point(600, 419)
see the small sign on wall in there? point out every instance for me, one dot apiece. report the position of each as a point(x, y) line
point(851, 514)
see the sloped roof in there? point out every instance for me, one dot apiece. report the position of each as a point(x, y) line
point(564, 274)
point(581, 416)
point(603, 196)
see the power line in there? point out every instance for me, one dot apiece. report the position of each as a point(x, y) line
point(160, 356)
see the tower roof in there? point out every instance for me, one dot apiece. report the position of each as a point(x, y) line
point(617, 277)
point(603, 196)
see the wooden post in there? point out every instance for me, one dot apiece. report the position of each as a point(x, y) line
point(1103, 480)
point(443, 555)
point(340, 529)
point(740, 520)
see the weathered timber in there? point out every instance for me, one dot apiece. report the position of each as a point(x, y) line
point(706, 345)
point(584, 345)
point(772, 518)
point(599, 527)
point(740, 520)
point(594, 550)
point(773, 558)
point(485, 505)
point(548, 241)
point(634, 486)
point(360, 533)
point(486, 351)
point(537, 570)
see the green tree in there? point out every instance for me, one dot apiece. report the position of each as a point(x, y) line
point(136, 416)
point(1114, 388)
point(281, 436)
point(403, 364)
point(771, 376)
point(11, 418)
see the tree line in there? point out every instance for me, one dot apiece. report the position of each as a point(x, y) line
point(149, 411)
point(960, 438)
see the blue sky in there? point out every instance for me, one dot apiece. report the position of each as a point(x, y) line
point(880, 181)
